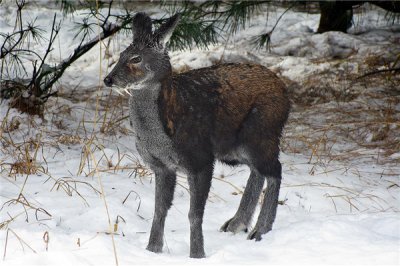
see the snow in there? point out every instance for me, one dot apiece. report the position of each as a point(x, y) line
point(340, 200)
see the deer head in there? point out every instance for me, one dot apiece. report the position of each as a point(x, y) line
point(146, 60)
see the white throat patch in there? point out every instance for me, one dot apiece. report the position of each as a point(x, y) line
point(143, 84)
point(129, 88)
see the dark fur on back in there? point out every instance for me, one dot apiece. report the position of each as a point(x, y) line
point(220, 108)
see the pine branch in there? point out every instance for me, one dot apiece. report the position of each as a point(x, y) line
point(38, 75)
point(21, 32)
point(44, 76)
point(58, 70)
point(202, 23)
point(265, 39)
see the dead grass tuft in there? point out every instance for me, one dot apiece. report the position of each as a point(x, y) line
point(70, 187)
point(28, 167)
point(69, 139)
point(25, 159)
point(374, 61)
point(12, 125)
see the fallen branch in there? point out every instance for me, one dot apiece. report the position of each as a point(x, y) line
point(397, 69)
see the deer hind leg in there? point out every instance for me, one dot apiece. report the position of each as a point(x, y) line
point(270, 203)
point(164, 194)
point(241, 220)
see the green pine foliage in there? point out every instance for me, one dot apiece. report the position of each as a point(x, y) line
point(203, 22)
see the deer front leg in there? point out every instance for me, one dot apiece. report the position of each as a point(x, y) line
point(199, 185)
point(165, 186)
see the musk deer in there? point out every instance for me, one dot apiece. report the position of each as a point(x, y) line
point(233, 113)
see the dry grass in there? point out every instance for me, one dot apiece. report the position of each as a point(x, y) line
point(70, 186)
point(361, 126)
point(369, 126)
point(27, 206)
point(363, 116)
point(20, 240)
point(69, 139)
point(357, 200)
point(21, 156)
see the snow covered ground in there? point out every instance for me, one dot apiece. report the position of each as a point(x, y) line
point(340, 198)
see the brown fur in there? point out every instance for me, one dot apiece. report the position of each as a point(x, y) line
point(245, 87)
point(241, 89)
point(135, 70)
point(172, 108)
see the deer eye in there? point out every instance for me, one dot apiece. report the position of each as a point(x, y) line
point(136, 59)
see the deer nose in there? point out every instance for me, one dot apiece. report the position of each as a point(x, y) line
point(108, 81)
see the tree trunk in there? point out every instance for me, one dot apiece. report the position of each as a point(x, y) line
point(335, 16)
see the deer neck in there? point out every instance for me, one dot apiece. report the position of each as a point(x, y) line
point(144, 111)
point(145, 96)
point(144, 100)
point(152, 140)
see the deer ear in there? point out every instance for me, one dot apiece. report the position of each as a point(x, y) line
point(164, 32)
point(141, 26)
